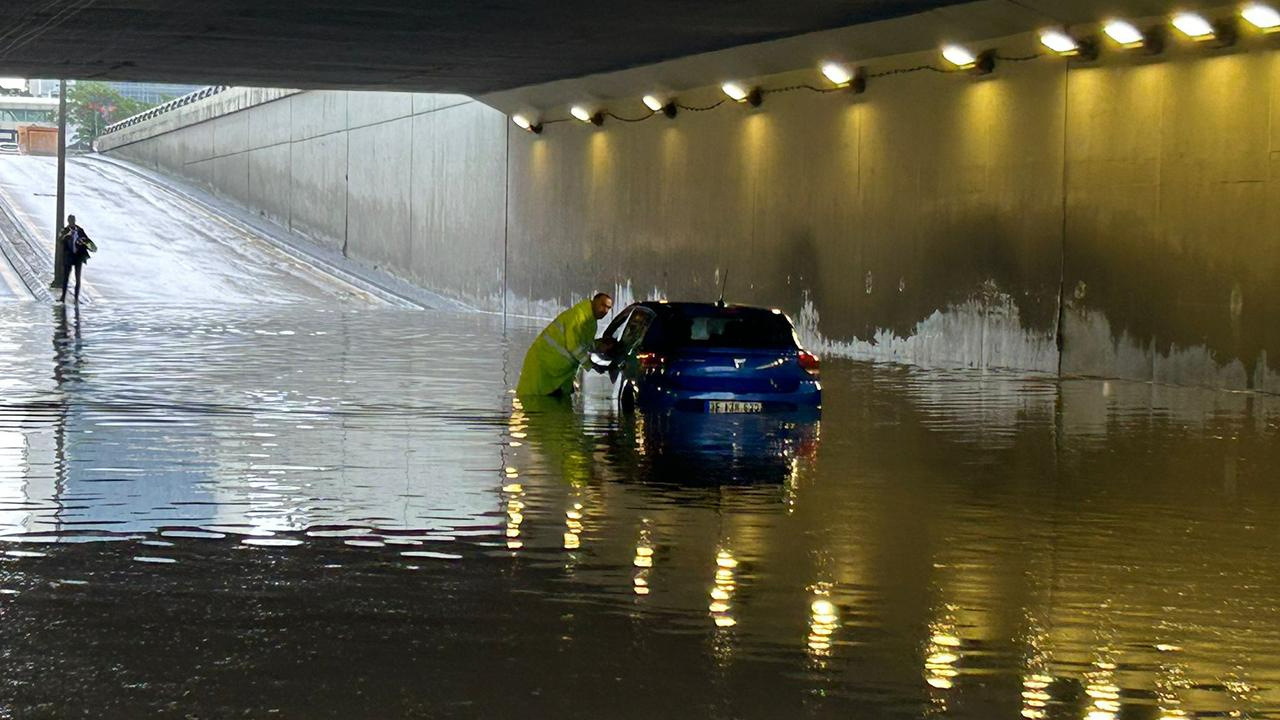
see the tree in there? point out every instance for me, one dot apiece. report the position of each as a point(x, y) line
point(92, 106)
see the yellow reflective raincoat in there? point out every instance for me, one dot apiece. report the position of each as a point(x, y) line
point(559, 350)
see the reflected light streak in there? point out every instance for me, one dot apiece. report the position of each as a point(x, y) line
point(512, 489)
point(824, 618)
point(791, 484)
point(1102, 691)
point(1036, 679)
point(518, 423)
point(1035, 695)
point(941, 657)
point(573, 527)
point(514, 492)
point(721, 606)
point(643, 561)
point(1171, 683)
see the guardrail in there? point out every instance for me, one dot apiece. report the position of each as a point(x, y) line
point(163, 108)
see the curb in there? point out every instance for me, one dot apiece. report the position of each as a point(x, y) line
point(25, 255)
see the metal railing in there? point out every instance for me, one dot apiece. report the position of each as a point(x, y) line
point(163, 108)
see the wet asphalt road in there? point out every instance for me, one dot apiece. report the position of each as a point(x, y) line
point(11, 287)
point(156, 246)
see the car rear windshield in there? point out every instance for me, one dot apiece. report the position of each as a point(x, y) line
point(725, 328)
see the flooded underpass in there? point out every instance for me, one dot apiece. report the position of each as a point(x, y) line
point(301, 512)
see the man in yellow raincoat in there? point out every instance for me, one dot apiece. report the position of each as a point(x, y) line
point(564, 346)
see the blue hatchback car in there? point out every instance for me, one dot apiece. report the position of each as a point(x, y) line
point(710, 358)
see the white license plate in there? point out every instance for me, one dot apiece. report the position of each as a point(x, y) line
point(733, 406)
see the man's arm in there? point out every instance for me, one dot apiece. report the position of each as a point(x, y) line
point(603, 349)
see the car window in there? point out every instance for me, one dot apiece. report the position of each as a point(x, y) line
point(728, 328)
point(616, 324)
point(634, 332)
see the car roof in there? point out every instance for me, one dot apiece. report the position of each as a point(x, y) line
point(702, 308)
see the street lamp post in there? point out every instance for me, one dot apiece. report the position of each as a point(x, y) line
point(59, 261)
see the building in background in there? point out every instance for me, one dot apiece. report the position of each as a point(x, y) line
point(20, 112)
point(45, 88)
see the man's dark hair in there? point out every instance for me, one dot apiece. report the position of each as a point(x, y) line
point(597, 296)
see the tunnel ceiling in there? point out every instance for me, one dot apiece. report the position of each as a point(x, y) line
point(466, 46)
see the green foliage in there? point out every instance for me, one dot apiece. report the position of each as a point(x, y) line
point(92, 106)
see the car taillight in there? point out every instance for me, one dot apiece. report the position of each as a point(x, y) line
point(810, 362)
point(650, 361)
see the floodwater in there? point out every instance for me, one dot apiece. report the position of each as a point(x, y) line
point(288, 511)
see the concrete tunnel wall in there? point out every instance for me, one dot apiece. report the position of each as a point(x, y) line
point(936, 220)
point(407, 182)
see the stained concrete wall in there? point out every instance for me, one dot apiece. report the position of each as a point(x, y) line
point(935, 219)
point(413, 184)
point(1114, 219)
point(920, 222)
point(1173, 210)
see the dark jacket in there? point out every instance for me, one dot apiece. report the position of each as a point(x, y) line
point(76, 243)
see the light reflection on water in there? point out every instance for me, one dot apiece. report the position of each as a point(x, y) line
point(939, 544)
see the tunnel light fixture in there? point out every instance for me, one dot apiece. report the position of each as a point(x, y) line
point(838, 74)
point(735, 91)
point(1196, 27)
point(1193, 25)
point(1129, 37)
point(524, 123)
point(959, 56)
point(1059, 42)
point(659, 104)
point(963, 59)
point(1263, 17)
point(590, 117)
point(843, 76)
point(1124, 33)
point(740, 93)
point(1062, 43)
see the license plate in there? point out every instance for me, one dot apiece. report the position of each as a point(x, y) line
point(734, 406)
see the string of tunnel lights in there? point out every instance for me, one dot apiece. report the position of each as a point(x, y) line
point(958, 59)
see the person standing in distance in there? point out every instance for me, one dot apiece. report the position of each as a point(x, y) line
point(76, 246)
point(562, 348)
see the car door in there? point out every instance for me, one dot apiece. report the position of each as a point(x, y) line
point(632, 332)
point(629, 332)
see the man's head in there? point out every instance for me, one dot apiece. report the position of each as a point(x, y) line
point(71, 219)
point(601, 304)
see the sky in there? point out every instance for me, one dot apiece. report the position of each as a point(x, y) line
point(13, 83)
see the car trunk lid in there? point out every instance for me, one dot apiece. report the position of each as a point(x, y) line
point(729, 370)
